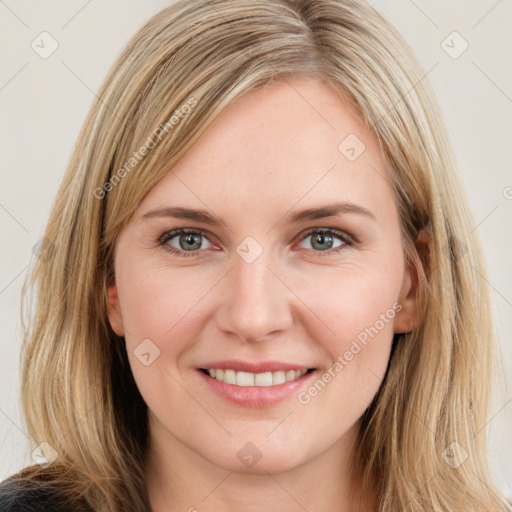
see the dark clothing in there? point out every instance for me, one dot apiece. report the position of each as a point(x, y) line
point(27, 495)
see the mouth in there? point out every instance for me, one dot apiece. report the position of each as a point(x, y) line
point(250, 379)
point(254, 384)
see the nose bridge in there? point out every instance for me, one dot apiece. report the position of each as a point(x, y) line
point(257, 301)
point(252, 280)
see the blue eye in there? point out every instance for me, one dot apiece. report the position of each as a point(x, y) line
point(322, 240)
point(188, 241)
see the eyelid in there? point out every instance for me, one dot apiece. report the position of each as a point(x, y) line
point(348, 240)
point(170, 234)
point(342, 235)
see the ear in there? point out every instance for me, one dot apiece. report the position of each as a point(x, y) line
point(114, 311)
point(407, 318)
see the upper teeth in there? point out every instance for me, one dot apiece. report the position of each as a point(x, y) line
point(255, 379)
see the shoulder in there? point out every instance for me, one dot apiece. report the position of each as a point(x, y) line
point(19, 494)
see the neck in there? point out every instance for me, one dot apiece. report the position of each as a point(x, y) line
point(179, 479)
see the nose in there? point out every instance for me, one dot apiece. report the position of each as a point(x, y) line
point(257, 302)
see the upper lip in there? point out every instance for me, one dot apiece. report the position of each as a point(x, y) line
point(252, 367)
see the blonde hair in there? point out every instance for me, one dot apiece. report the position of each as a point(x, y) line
point(78, 392)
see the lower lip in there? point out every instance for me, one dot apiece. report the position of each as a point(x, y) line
point(256, 396)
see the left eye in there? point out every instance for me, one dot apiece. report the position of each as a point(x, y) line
point(323, 240)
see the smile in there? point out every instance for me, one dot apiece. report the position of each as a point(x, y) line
point(248, 379)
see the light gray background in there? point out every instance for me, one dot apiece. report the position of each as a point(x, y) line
point(44, 103)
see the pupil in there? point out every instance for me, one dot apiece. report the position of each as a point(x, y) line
point(189, 238)
point(323, 239)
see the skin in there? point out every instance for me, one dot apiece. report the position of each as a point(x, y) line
point(269, 154)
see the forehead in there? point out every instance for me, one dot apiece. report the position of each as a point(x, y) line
point(294, 140)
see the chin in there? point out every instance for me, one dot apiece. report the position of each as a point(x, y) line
point(266, 464)
point(258, 456)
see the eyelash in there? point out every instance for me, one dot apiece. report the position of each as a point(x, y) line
point(168, 235)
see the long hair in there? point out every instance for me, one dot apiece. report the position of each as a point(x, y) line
point(174, 77)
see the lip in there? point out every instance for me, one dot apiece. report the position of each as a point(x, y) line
point(246, 366)
point(256, 397)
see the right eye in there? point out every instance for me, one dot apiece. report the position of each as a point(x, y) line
point(187, 242)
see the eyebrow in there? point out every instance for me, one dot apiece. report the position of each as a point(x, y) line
point(330, 210)
point(179, 212)
point(205, 217)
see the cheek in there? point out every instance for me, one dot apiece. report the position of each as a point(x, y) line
point(160, 315)
point(350, 301)
point(155, 302)
point(354, 324)
point(167, 307)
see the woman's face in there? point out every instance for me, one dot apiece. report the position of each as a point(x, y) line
point(294, 263)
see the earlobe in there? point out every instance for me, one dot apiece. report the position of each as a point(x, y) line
point(407, 318)
point(114, 312)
